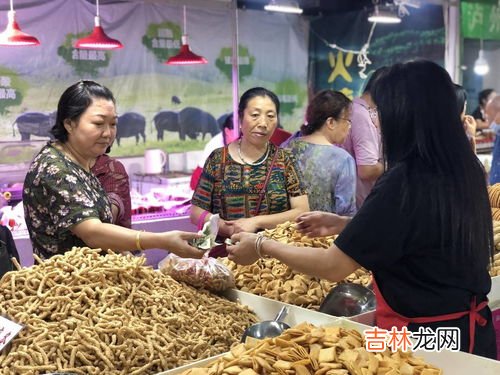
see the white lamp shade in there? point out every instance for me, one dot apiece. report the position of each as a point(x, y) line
point(481, 66)
point(382, 14)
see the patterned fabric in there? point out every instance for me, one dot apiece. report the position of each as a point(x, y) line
point(114, 179)
point(329, 175)
point(233, 193)
point(58, 194)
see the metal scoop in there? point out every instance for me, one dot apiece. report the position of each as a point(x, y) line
point(267, 328)
point(348, 299)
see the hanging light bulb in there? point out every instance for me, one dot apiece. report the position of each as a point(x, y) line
point(185, 55)
point(284, 7)
point(481, 66)
point(12, 35)
point(98, 38)
point(384, 14)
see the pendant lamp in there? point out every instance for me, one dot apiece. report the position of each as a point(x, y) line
point(384, 14)
point(98, 38)
point(12, 35)
point(283, 7)
point(185, 56)
point(481, 66)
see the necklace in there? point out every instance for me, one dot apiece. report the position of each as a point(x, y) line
point(254, 163)
point(69, 154)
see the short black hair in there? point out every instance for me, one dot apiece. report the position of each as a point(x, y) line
point(254, 92)
point(483, 96)
point(74, 101)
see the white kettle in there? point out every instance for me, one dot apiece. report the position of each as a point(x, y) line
point(154, 161)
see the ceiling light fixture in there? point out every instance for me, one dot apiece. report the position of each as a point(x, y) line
point(481, 66)
point(283, 7)
point(98, 38)
point(12, 35)
point(185, 56)
point(384, 14)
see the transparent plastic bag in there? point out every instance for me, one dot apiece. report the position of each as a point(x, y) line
point(205, 273)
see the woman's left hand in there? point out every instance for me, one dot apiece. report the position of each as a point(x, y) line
point(245, 225)
point(243, 250)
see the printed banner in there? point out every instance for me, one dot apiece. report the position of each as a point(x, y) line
point(150, 94)
point(336, 41)
point(480, 21)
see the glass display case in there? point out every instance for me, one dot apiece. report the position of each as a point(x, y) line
point(15, 159)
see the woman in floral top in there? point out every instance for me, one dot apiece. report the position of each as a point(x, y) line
point(250, 183)
point(64, 203)
point(329, 171)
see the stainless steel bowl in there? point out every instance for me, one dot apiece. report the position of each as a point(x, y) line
point(348, 299)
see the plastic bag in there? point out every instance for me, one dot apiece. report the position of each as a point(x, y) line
point(205, 273)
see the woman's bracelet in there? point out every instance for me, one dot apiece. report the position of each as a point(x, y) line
point(138, 240)
point(258, 245)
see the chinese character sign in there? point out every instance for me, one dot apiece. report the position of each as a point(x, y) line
point(480, 21)
point(379, 340)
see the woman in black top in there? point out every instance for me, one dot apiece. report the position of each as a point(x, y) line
point(425, 230)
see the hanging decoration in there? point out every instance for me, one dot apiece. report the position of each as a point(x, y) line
point(185, 55)
point(98, 38)
point(12, 35)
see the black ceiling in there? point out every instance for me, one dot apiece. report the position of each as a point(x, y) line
point(310, 7)
point(315, 7)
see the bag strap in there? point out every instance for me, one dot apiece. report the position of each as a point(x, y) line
point(222, 172)
point(262, 191)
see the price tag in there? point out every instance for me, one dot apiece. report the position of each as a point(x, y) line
point(8, 330)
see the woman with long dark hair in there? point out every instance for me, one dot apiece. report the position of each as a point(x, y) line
point(425, 230)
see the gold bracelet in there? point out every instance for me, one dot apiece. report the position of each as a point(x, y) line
point(138, 240)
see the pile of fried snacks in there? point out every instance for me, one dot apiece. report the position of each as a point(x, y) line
point(494, 195)
point(288, 234)
point(496, 234)
point(88, 313)
point(495, 266)
point(307, 350)
point(272, 279)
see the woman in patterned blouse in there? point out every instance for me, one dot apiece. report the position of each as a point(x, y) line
point(329, 171)
point(64, 203)
point(250, 183)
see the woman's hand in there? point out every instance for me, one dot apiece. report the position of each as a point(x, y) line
point(319, 224)
point(177, 243)
point(248, 224)
point(243, 250)
point(226, 228)
point(470, 125)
